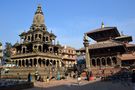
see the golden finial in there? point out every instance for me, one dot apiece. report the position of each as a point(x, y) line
point(102, 25)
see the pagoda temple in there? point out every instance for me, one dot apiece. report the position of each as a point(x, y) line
point(111, 48)
point(37, 47)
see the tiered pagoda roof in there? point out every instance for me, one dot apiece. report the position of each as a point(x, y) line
point(103, 33)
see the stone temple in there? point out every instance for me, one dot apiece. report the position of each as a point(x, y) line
point(37, 51)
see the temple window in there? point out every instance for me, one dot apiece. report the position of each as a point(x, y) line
point(46, 38)
point(40, 36)
point(35, 46)
point(50, 49)
point(32, 38)
point(43, 28)
point(39, 48)
point(23, 50)
point(35, 36)
point(33, 28)
point(25, 38)
point(28, 38)
point(43, 38)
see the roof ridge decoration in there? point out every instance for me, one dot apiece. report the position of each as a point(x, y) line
point(102, 25)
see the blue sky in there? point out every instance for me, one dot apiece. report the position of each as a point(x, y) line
point(68, 19)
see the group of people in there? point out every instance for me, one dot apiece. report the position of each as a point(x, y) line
point(37, 77)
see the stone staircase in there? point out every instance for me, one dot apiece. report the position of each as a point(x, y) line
point(22, 72)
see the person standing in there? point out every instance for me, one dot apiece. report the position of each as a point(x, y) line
point(133, 79)
point(29, 77)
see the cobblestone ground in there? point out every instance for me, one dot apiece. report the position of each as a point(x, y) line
point(72, 84)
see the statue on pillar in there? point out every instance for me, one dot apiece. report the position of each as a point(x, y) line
point(87, 56)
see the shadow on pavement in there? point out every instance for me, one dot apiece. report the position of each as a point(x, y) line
point(99, 85)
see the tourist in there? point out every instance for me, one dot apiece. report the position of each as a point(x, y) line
point(29, 77)
point(36, 75)
point(133, 79)
point(88, 73)
point(79, 79)
point(18, 75)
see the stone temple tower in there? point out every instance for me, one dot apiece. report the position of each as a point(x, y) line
point(37, 48)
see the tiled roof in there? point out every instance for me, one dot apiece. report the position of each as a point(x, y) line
point(122, 36)
point(130, 56)
point(101, 29)
point(130, 45)
point(105, 44)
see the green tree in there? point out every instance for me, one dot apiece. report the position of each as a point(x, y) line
point(7, 51)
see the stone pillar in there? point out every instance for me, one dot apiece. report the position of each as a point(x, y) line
point(56, 64)
point(19, 63)
point(45, 62)
point(60, 65)
point(41, 37)
point(87, 55)
point(41, 48)
point(101, 63)
point(42, 64)
point(38, 37)
point(106, 62)
point(95, 63)
point(30, 37)
point(111, 61)
point(34, 37)
point(38, 63)
point(24, 63)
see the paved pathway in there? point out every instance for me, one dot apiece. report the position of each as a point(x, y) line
point(72, 84)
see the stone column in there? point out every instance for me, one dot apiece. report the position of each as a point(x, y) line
point(95, 63)
point(20, 63)
point(45, 62)
point(41, 48)
point(87, 55)
point(106, 62)
point(42, 64)
point(101, 63)
point(111, 62)
point(30, 37)
point(56, 64)
point(24, 63)
point(60, 65)
point(33, 37)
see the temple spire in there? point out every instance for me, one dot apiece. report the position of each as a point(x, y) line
point(38, 17)
point(39, 9)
